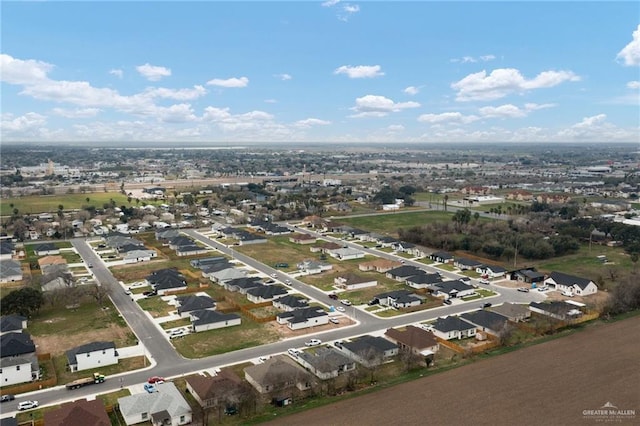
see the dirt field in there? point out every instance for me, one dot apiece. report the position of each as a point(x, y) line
point(57, 346)
point(547, 384)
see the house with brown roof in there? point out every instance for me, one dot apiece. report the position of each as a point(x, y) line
point(302, 238)
point(223, 388)
point(519, 195)
point(350, 281)
point(325, 247)
point(78, 413)
point(51, 260)
point(417, 340)
point(379, 265)
point(277, 374)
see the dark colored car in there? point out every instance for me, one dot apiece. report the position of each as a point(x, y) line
point(150, 293)
point(333, 296)
point(486, 305)
point(7, 398)
point(446, 301)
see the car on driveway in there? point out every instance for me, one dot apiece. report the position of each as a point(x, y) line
point(27, 405)
point(334, 320)
point(177, 333)
point(150, 388)
point(447, 301)
point(155, 379)
point(484, 281)
point(313, 342)
point(6, 398)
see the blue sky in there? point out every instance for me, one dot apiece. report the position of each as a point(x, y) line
point(332, 71)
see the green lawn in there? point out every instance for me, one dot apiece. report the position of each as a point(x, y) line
point(156, 306)
point(49, 203)
point(390, 223)
point(123, 365)
point(182, 322)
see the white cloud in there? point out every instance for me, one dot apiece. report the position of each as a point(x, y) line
point(630, 54)
point(447, 117)
point(153, 73)
point(473, 60)
point(118, 73)
point(330, 3)
point(230, 82)
point(360, 71)
point(395, 128)
point(347, 10)
point(177, 94)
point(76, 113)
point(511, 111)
point(17, 71)
point(411, 90)
point(25, 123)
point(378, 106)
point(270, 101)
point(178, 113)
point(283, 77)
point(308, 122)
point(504, 81)
point(633, 85)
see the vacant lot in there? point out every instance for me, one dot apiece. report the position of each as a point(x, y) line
point(549, 383)
point(49, 203)
point(390, 223)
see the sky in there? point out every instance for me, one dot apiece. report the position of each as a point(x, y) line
point(327, 71)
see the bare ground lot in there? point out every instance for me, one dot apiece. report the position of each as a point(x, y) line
point(547, 384)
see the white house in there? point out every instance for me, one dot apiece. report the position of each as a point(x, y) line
point(166, 407)
point(353, 282)
point(92, 355)
point(204, 320)
point(571, 284)
point(346, 253)
point(14, 370)
point(492, 271)
point(10, 271)
point(135, 256)
point(303, 318)
point(448, 328)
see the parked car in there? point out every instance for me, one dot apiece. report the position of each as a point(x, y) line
point(544, 288)
point(345, 302)
point(293, 352)
point(155, 379)
point(340, 309)
point(274, 275)
point(288, 282)
point(27, 405)
point(263, 358)
point(313, 342)
point(484, 281)
point(127, 292)
point(177, 333)
point(523, 289)
point(334, 320)
point(149, 293)
point(333, 296)
point(6, 398)
point(374, 302)
point(230, 410)
point(567, 293)
point(447, 301)
point(150, 388)
point(486, 305)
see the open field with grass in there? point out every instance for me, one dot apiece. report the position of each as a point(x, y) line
point(35, 204)
point(279, 250)
point(123, 365)
point(608, 373)
point(85, 324)
point(390, 223)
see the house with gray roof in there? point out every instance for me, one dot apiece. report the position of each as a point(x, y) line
point(19, 369)
point(346, 253)
point(46, 249)
point(135, 256)
point(290, 302)
point(369, 350)
point(398, 299)
point(187, 304)
point(403, 272)
point(167, 407)
point(10, 271)
point(571, 284)
point(515, 312)
point(493, 271)
point(487, 321)
point(351, 281)
point(451, 327)
point(265, 293)
point(423, 280)
point(454, 288)
point(57, 280)
point(243, 284)
point(210, 268)
point(303, 318)
point(12, 323)
point(224, 275)
point(326, 362)
point(205, 319)
point(278, 374)
point(92, 355)
point(556, 309)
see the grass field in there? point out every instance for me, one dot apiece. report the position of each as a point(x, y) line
point(390, 223)
point(35, 204)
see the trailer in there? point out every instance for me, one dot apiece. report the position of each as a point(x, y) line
point(96, 378)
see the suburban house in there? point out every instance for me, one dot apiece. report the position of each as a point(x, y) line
point(165, 280)
point(45, 261)
point(465, 264)
point(423, 280)
point(78, 413)
point(224, 275)
point(529, 276)
point(486, 321)
point(491, 271)
point(448, 328)
point(346, 253)
point(310, 267)
point(302, 239)
point(205, 320)
point(324, 247)
point(278, 374)
point(7, 250)
point(214, 391)
point(18, 360)
point(200, 263)
point(265, 293)
point(12, 323)
point(571, 284)
point(352, 281)
point(519, 195)
point(403, 272)
point(513, 311)
point(211, 268)
point(451, 289)
point(187, 304)
point(57, 280)
point(556, 309)
point(242, 285)
point(135, 256)
point(303, 318)
point(166, 407)
point(414, 339)
point(441, 257)
point(92, 355)
point(290, 302)
point(10, 271)
point(379, 265)
point(46, 249)
point(398, 299)
point(326, 362)
point(165, 235)
point(369, 350)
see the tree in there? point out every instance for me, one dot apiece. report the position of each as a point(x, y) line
point(24, 301)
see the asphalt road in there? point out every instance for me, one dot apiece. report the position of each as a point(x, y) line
point(168, 363)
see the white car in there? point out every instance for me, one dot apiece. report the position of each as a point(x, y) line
point(340, 309)
point(484, 281)
point(288, 282)
point(274, 275)
point(345, 302)
point(313, 342)
point(293, 352)
point(27, 405)
point(263, 359)
point(334, 320)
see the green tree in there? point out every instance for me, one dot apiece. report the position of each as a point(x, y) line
point(24, 301)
